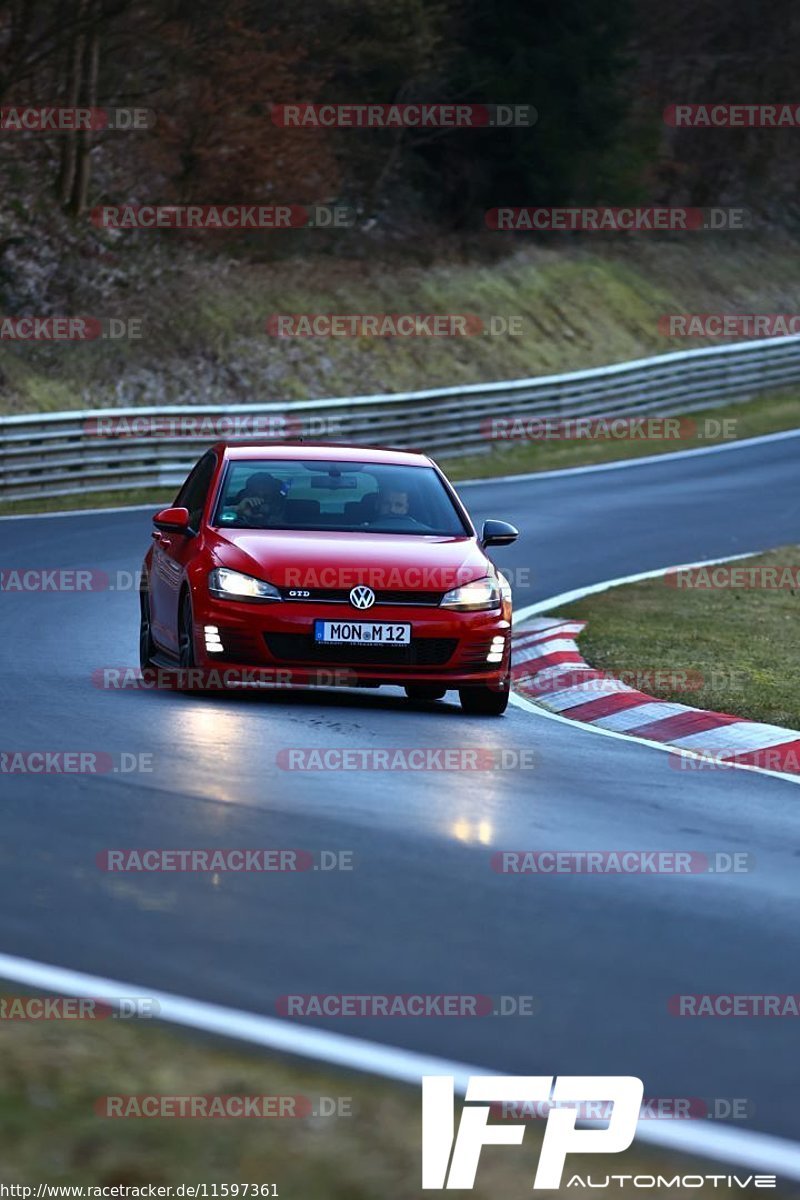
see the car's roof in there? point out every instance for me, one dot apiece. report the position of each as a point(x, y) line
point(328, 452)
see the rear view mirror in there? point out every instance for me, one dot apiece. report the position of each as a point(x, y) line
point(172, 520)
point(498, 533)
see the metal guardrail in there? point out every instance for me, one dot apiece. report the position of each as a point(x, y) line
point(66, 453)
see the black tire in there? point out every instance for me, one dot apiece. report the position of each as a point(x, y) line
point(186, 634)
point(186, 657)
point(422, 693)
point(483, 702)
point(147, 646)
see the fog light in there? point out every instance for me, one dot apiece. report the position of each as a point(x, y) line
point(213, 640)
point(496, 649)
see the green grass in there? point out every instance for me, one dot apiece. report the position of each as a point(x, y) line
point(123, 499)
point(742, 642)
point(581, 302)
point(769, 413)
point(52, 1074)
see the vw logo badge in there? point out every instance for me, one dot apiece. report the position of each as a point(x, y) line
point(362, 597)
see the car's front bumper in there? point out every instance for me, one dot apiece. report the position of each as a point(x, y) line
point(447, 648)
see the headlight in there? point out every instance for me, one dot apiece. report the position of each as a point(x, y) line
point(231, 585)
point(478, 596)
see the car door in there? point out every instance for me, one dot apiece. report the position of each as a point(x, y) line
point(173, 551)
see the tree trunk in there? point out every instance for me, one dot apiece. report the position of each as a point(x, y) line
point(72, 91)
point(80, 190)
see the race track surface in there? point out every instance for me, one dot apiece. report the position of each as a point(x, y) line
point(422, 911)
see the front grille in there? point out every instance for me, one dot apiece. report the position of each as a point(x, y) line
point(301, 648)
point(382, 596)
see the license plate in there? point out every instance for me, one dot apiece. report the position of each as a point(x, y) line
point(361, 633)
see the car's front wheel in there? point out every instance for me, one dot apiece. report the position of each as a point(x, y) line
point(424, 692)
point(146, 644)
point(483, 702)
point(186, 657)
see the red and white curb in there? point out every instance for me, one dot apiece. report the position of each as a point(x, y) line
point(549, 669)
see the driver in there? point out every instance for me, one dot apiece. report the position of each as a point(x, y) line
point(394, 503)
point(262, 499)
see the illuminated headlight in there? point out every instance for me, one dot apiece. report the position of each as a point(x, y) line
point(231, 585)
point(478, 596)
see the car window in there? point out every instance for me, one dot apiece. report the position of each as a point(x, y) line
point(337, 496)
point(194, 492)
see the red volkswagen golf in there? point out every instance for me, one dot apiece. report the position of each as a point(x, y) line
point(317, 565)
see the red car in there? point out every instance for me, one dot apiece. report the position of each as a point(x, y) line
point(323, 565)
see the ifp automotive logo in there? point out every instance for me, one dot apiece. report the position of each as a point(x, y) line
point(450, 1160)
point(441, 1149)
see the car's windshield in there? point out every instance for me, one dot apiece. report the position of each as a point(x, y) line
point(336, 496)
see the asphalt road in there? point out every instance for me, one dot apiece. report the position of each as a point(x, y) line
point(422, 911)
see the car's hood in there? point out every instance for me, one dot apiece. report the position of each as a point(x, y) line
point(312, 560)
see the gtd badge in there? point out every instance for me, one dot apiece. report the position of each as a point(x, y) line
point(362, 597)
point(560, 1135)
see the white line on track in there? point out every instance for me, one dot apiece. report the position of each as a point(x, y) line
point(551, 602)
point(724, 1144)
point(623, 464)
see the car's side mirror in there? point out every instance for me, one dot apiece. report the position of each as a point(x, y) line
point(498, 533)
point(173, 520)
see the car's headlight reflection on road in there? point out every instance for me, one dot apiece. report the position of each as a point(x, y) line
point(212, 739)
point(479, 832)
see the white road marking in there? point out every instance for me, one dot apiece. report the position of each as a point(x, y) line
point(622, 464)
point(537, 711)
point(721, 1143)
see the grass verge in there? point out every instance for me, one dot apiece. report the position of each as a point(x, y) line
point(771, 413)
point(577, 302)
point(737, 648)
point(88, 500)
point(52, 1075)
